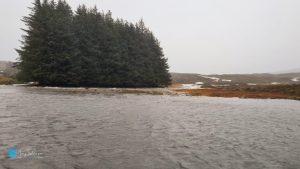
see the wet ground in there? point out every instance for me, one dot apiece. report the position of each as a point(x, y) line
point(54, 128)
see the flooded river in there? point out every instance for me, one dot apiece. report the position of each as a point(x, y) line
point(50, 128)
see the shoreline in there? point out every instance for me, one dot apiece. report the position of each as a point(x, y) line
point(227, 93)
point(104, 90)
point(172, 91)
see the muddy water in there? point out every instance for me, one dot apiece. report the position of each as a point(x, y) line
point(67, 130)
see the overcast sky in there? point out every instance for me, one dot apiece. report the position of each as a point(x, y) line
point(198, 36)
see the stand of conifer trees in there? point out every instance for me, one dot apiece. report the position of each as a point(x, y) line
point(88, 48)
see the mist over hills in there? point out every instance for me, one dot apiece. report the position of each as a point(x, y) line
point(7, 68)
point(3, 65)
point(297, 70)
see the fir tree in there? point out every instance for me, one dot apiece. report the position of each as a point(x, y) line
point(63, 65)
point(32, 43)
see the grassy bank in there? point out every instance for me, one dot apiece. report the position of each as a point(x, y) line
point(7, 80)
point(261, 92)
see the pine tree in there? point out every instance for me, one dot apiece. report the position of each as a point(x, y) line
point(32, 43)
point(64, 65)
point(84, 29)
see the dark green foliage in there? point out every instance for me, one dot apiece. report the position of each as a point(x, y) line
point(89, 48)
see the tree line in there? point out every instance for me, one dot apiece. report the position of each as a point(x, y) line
point(88, 48)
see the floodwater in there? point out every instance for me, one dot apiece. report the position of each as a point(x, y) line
point(52, 128)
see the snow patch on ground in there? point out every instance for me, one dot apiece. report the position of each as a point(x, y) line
point(191, 86)
point(221, 85)
point(226, 80)
point(296, 79)
point(251, 84)
point(216, 79)
point(199, 83)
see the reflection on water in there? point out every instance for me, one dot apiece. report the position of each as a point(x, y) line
point(89, 131)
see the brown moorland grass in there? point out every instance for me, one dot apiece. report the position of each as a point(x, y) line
point(218, 92)
point(6, 80)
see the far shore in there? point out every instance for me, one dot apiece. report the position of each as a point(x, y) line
point(257, 92)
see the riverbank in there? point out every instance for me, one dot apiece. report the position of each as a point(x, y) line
point(259, 92)
point(7, 80)
point(105, 91)
point(291, 92)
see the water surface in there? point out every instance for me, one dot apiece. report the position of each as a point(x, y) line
point(78, 130)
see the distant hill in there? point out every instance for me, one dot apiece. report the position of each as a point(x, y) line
point(288, 71)
point(7, 68)
point(233, 79)
point(3, 65)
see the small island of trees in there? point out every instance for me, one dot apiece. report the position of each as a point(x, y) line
point(88, 48)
